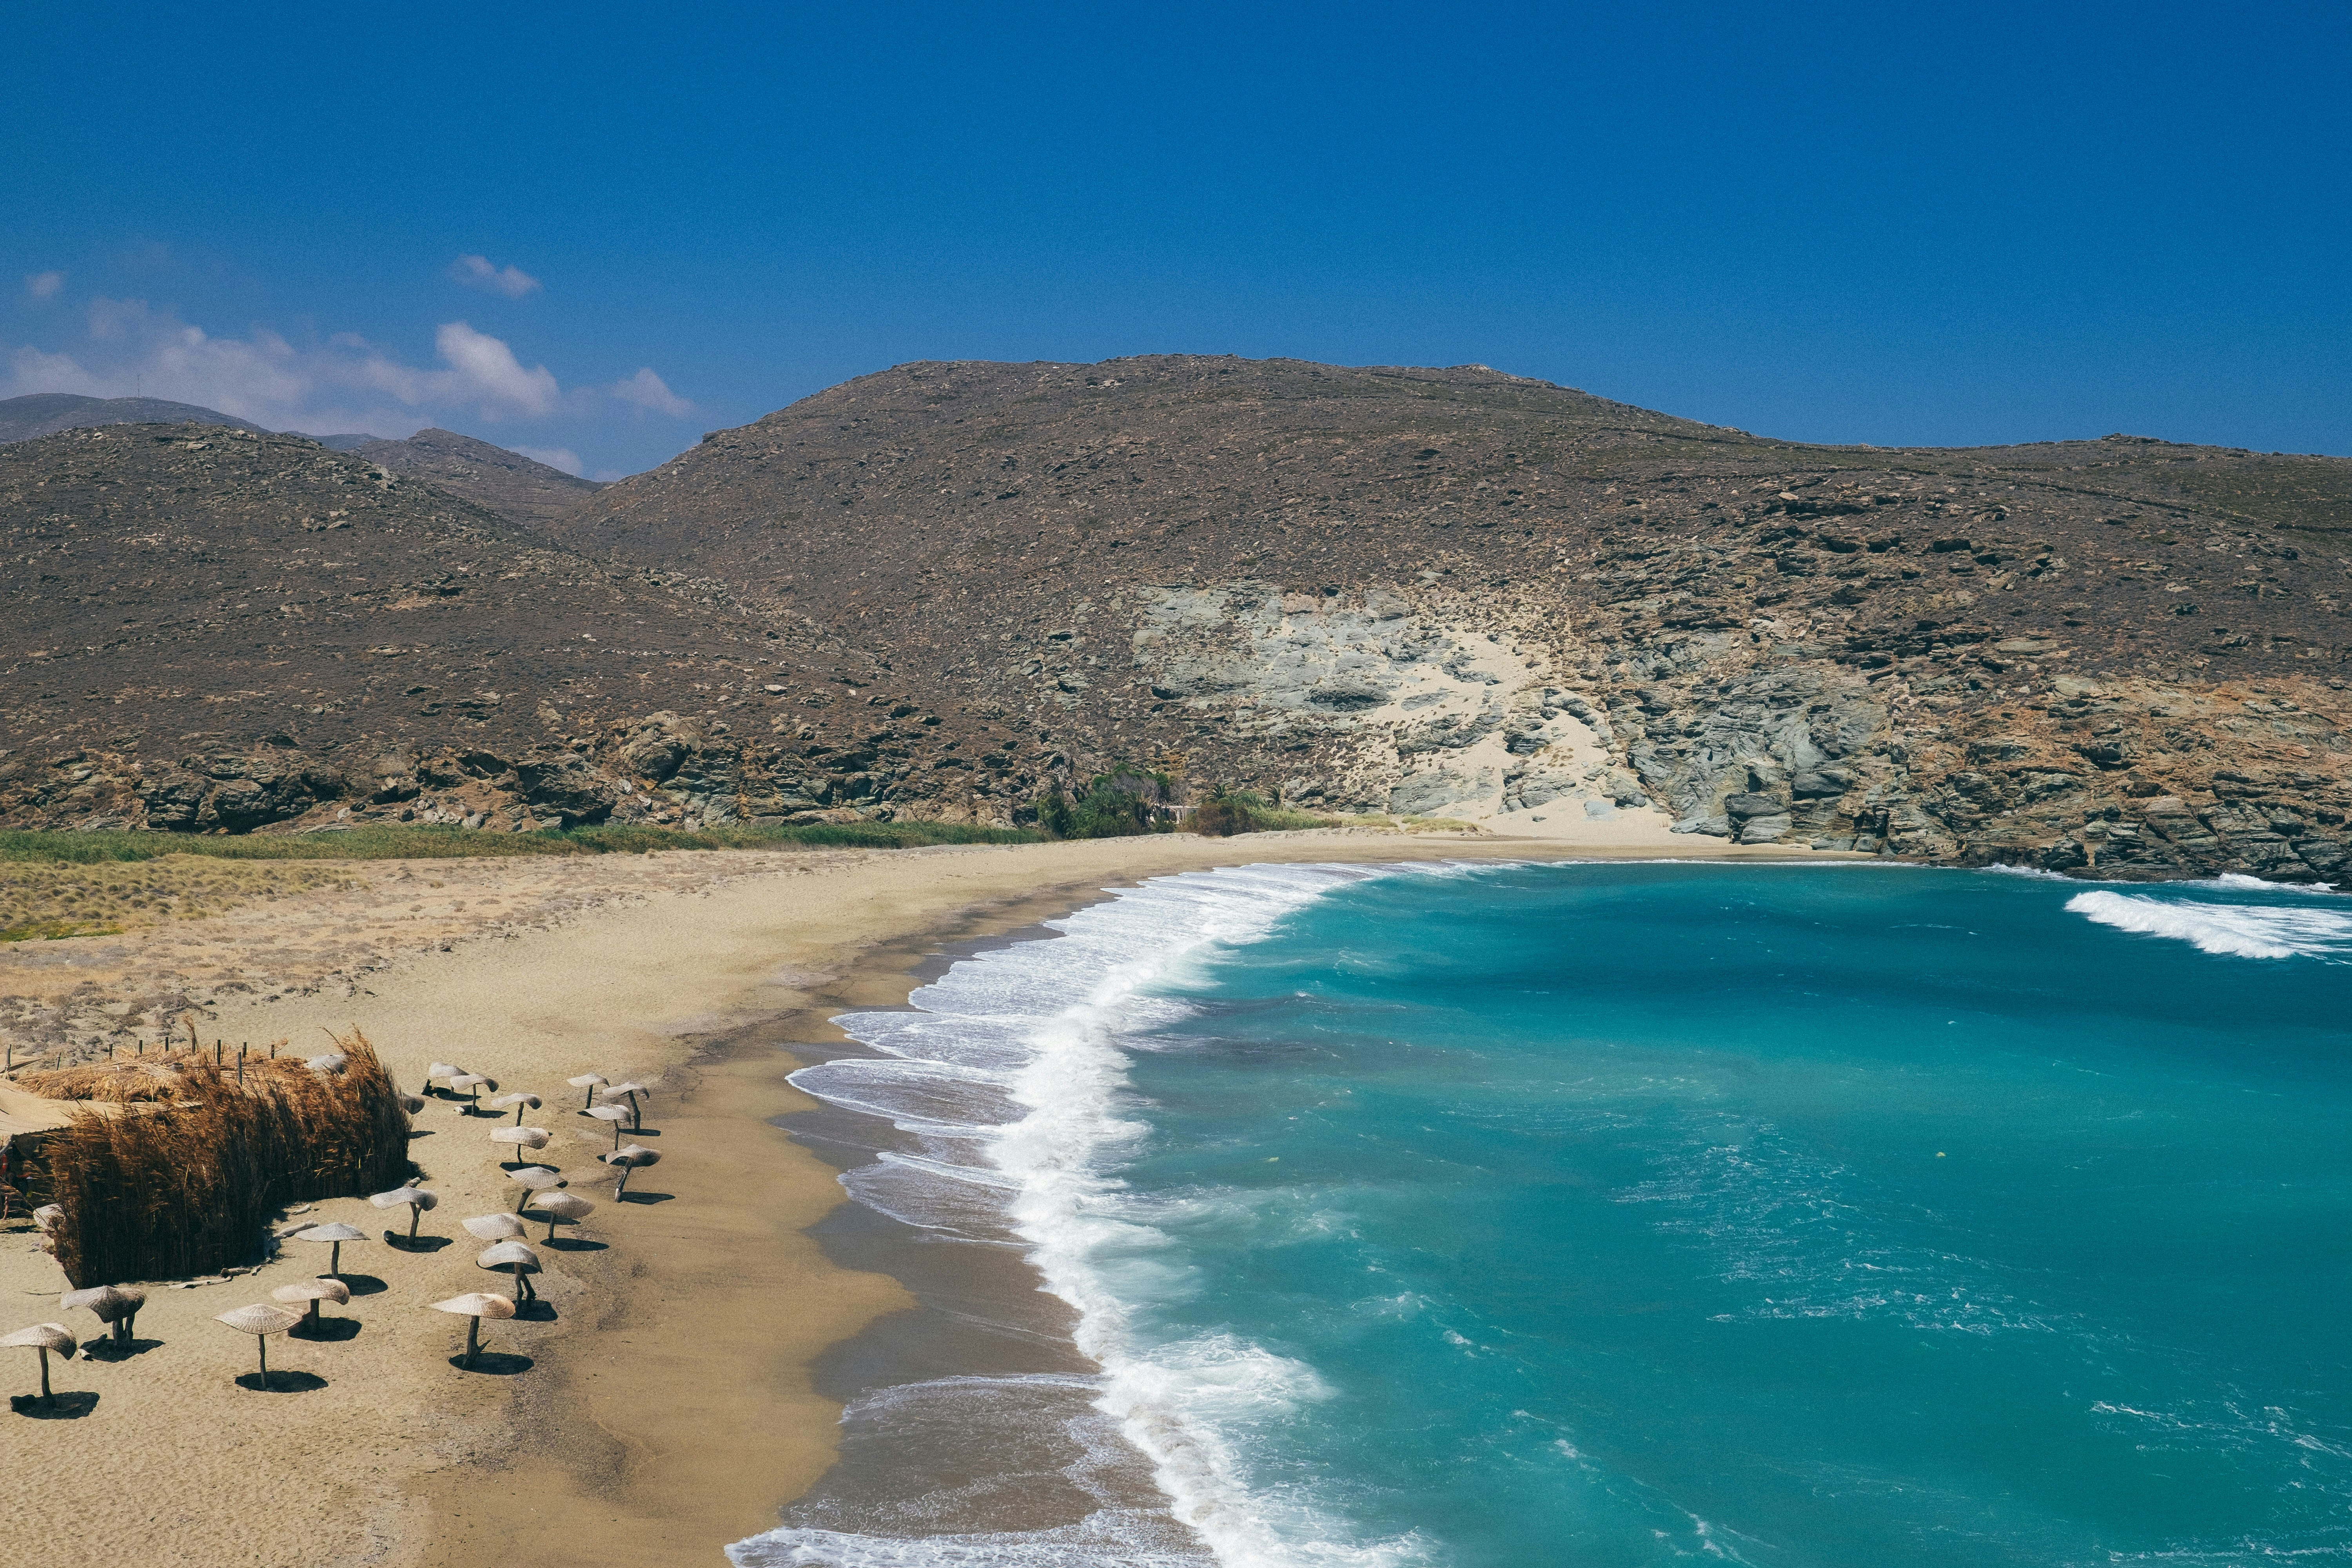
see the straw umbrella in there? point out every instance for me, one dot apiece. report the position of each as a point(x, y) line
point(589, 1081)
point(534, 1179)
point(494, 1227)
point(261, 1319)
point(472, 1083)
point(334, 1061)
point(313, 1291)
point(629, 1157)
point(412, 1104)
point(476, 1305)
point(338, 1233)
point(45, 1217)
point(109, 1304)
point(629, 1091)
point(417, 1199)
point(516, 1102)
point(515, 1259)
point(518, 1139)
point(613, 1115)
point(43, 1337)
point(444, 1071)
point(563, 1206)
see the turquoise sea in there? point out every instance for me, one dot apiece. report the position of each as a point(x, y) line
point(1624, 1215)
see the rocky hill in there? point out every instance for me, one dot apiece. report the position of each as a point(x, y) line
point(212, 629)
point(513, 486)
point(1458, 591)
point(45, 413)
point(1428, 592)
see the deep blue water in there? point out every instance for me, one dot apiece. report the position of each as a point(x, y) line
point(1619, 1215)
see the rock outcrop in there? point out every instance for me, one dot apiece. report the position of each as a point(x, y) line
point(937, 590)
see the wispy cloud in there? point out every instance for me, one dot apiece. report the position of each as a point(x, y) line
point(475, 272)
point(43, 285)
point(344, 383)
point(562, 458)
point(648, 390)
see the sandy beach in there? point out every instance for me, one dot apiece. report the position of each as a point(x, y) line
point(663, 1408)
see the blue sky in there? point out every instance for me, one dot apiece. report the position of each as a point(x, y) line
point(1848, 223)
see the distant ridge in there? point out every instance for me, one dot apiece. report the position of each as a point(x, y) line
point(42, 413)
point(515, 486)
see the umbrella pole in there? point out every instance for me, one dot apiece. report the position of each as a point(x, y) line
point(263, 1340)
point(473, 1340)
point(46, 1397)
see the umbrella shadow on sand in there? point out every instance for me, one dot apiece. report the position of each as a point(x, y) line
point(104, 1348)
point(363, 1284)
point(496, 1363)
point(637, 1196)
point(399, 1240)
point(574, 1244)
point(59, 1407)
point(336, 1328)
point(281, 1382)
point(538, 1309)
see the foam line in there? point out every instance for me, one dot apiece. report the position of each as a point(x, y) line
point(2238, 930)
point(1031, 1033)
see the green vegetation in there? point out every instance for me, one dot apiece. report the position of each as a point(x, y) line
point(1117, 804)
point(390, 843)
point(1224, 814)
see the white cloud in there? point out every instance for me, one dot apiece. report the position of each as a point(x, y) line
point(344, 383)
point(647, 390)
point(562, 458)
point(492, 374)
point(475, 272)
point(43, 285)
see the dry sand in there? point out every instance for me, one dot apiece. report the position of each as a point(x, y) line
point(664, 1409)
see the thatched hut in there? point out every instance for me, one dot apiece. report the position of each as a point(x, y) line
point(170, 1165)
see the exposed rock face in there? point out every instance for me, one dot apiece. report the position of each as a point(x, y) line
point(517, 487)
point(1249, 571)
point(1444, 593)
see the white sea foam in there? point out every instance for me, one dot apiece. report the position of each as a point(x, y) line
point(2240, 931)
point(1013, 1059)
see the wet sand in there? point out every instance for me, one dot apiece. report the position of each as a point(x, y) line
point(670, 1405)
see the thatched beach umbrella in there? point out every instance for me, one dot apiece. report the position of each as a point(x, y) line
point(45, 1217)
point(444, 1071)
point(629, 1091)
point(411, 1104)
point(515, 1259)
point(334, 1061)
point(336, 1233)
point(495, 1226)
point(472, 1083)
point(518, 1102)
point(476, 1305)
point(261, 1319)
point(43, 1337)
point(417, 1199)
point(564, 1207)
point(313, 1291)
point(518, 1139)
point(629, 1157)
point(112, 1305)
point(589, 1081)
point(534, 1179)
point(613, 1115)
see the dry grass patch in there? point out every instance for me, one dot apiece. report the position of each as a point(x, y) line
point(48, 899)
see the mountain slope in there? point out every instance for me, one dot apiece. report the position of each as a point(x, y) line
point(210, 628)
point(45, 413)
point(515, 486)
point(1460, 591)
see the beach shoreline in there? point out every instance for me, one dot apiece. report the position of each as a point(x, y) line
point(668, 1407)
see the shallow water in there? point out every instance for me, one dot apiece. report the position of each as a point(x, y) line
point(1617, 1214)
